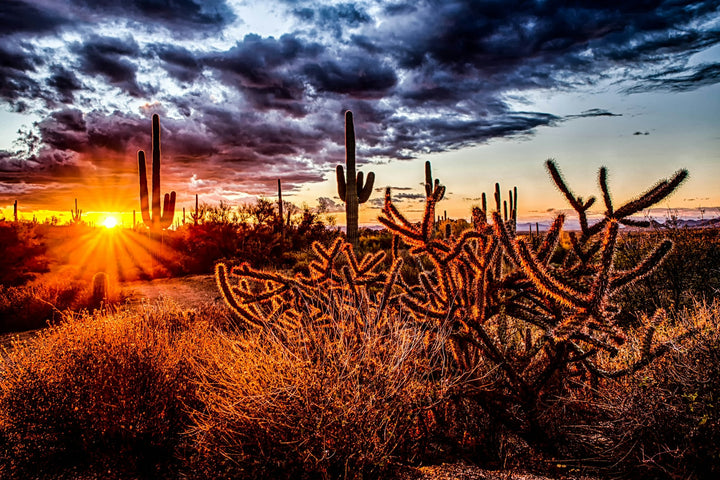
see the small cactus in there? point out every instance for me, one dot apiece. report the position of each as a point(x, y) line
point(99, 290)
point(351, 189)
point(159, 220)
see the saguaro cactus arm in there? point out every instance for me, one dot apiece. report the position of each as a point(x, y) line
point(430, 186)
point(342, 186)
point(144, 202)
point(365, 190)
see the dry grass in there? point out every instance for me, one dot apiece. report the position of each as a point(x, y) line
point(330, 401)
point(96, 392)
point(163, 392)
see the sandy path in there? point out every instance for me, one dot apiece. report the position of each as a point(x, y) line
point(188, 292)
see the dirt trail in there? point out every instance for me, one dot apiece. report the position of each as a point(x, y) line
point(188, 292)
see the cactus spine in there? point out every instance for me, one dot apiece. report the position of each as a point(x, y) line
point(76, 214)
point(351, 189)
point(160, 219)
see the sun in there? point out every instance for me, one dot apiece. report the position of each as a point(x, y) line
point(110, 222)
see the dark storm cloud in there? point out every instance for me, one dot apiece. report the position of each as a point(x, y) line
point(18, 16)
point(334, 18)
point(64, 82)
point(357, 77)
point(594, 112)
point(262, 69)
point(16, 65)
point(179, 62)
point(679, 79)
point(208, 14)
point(111, 58)
point(422, 76)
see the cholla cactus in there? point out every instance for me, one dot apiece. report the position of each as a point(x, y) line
point(159, 220)
point(505, 308)
point(351, 189)
point(281, 297)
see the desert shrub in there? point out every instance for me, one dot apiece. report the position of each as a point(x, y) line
point(102, 394)
point(47, 298)
point(23, 252)
point(338, 399)
point(34, 305)
point(690, 272)
point(251, 233)
point(662, 422)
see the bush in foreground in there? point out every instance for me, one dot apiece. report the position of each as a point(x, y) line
point(96, 393)
point(330, 400)
point(662, 422)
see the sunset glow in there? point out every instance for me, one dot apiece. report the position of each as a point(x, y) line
point(254, 92)
point(110, 222)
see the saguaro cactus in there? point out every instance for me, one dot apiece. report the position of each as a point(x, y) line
point(430, 186)
point(280, 207)
point(159, 219)
point(433, 188)
point(76, 214)
point(351, 189)
point(15, 211)
point(196, 214)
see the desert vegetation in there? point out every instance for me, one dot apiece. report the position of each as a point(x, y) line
point(569, 353)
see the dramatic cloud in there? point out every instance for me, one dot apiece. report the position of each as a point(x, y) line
point(421, 76)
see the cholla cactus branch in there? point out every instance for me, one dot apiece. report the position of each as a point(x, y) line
point(602, 178)
point(551, 239)
point(650, 263)
point(656, 194)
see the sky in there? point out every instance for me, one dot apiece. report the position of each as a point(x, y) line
point(253, 91)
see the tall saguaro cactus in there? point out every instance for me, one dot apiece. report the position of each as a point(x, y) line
point(351, 189)
point(15, 216)
point(160, 219)
point(76, 214)
point(195, 215)
point(280, 207)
